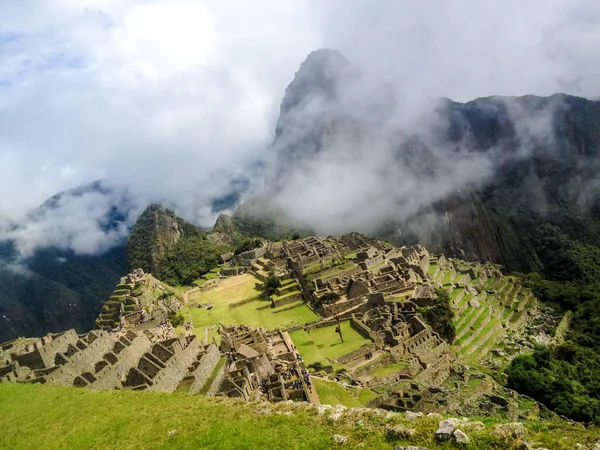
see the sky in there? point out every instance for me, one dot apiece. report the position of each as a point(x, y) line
point(172, 100)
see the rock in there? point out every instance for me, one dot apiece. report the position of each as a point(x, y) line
point(498, 400)
point(410, 447)
point(335, 416)
point(391, 415)
point(265, 411)
point(514, 430)
point(474, 303)
point(399, 432)
point(434, 415)
point(522, 445)
point(322, 409)
point(339, 439)
point(596, 446)
point(461, 437)
point(173, 433)
point(339, 408)
point(410, 415)
point(475, 425)
point(446, 428)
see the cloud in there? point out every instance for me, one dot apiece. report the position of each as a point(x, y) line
point(170, 101)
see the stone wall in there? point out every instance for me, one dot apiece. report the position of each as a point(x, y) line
point(110, 376)
point(176, 368)
point(208, 362)
point(360, 353)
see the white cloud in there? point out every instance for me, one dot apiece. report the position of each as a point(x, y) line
point(171, 100)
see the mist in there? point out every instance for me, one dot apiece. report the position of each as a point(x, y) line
point(177, 103)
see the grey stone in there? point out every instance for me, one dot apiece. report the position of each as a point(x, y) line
point(399, 432)
point(446, 428)
point(410, 415)
point(339, 439)
point(498, 400)
point(461, 437)
point(475, 425)
point(335, 416)
point(172, 432)
point(434, 415)
point(410, 447)
point(514, 430)
point(322, 409)
point(474, 303)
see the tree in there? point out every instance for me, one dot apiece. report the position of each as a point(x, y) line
point(440, 316)
point(270, 285)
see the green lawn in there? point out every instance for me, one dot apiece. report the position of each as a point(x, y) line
point(236, 290)
point(323, 343)
point(331, 393)
point(386, 370)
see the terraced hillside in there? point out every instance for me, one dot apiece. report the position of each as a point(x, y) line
point(486, 309)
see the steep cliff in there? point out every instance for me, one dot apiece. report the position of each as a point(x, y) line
point(172, 249)
point(508, 179)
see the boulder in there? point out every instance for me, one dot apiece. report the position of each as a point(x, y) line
point(322, 409)
point(461, 437)
point(446, 428)
point(335, 416)
point(339, 439)
point(514, 430)
point(398, 432)
point(475, 425)
point(498, 400)
point(410, 447)
point(410, 415)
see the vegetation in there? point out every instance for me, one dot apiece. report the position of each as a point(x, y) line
point(176, 319)
point(170, 248)
point(139, 419)
point(321, 344)
point(236, 301)
point(440, 316)
point(565, 377)
point(329, 298)
point(270, 286)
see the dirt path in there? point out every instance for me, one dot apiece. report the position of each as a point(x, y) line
point(356, 363)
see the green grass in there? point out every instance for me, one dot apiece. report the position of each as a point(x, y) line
point(323, 343)
point(236, 290)
point(386, 370)
point(332, 393)
point(50, 417)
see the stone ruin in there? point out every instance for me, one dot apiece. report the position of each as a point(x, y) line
point(154, 360)
point(263, 366)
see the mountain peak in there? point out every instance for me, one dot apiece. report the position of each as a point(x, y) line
point(317, 76)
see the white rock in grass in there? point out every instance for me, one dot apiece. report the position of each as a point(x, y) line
point(461, 437)
point(339, 439)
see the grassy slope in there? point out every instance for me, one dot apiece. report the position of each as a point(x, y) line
point(37, 416)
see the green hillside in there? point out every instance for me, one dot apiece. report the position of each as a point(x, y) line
point(36, 416)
